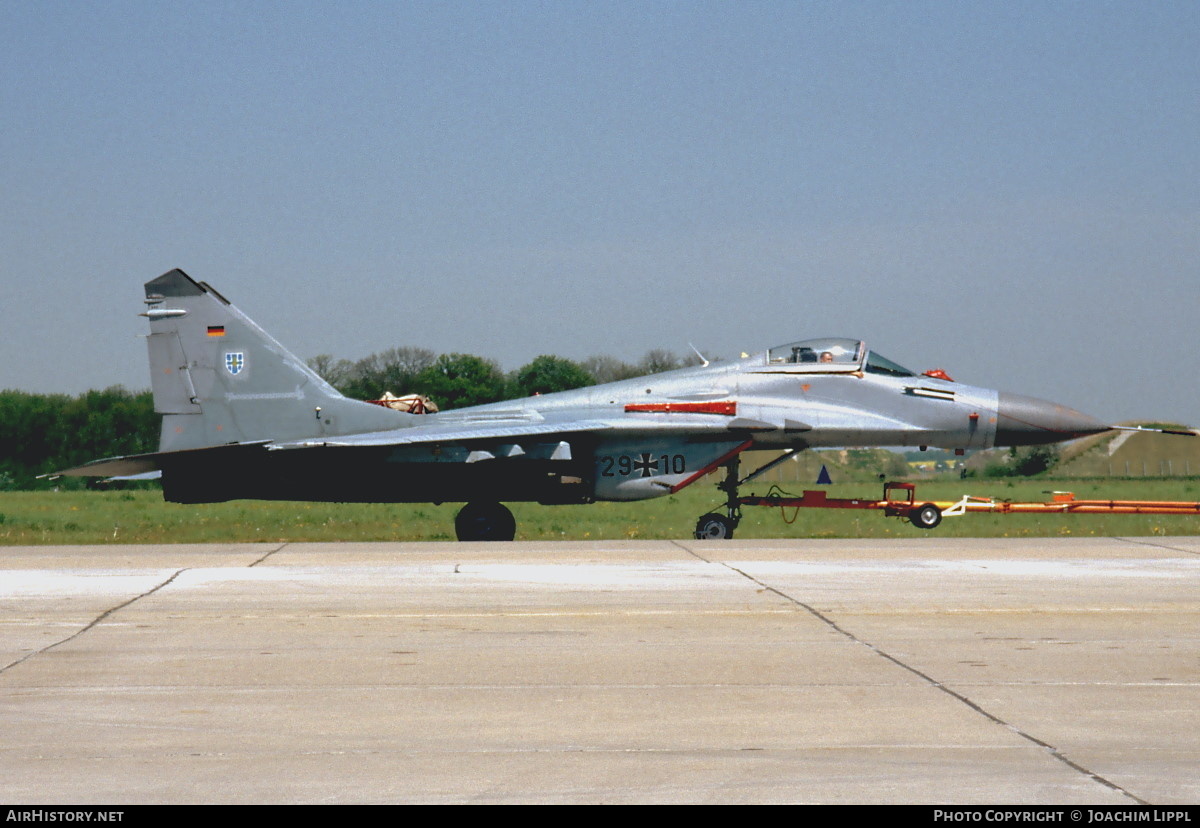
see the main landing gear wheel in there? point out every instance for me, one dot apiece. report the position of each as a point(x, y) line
point(925, 517)
point(485, 522)
point(714, 527)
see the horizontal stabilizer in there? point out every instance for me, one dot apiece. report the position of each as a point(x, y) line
point(112, 467)
point(133, 464)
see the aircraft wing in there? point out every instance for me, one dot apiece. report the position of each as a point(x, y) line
point(516, 424)
point(635, 457)
point(464, 432)
point(456, 432)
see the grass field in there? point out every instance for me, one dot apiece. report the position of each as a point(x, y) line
point(143, 517)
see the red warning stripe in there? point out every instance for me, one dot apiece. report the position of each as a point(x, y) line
point(713, 466)
point(727, 409)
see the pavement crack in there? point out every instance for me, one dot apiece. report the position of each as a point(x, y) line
point(1157, 545)
point(94, 622)
point(693, 552)
point(269, 554)
point(1050, 749)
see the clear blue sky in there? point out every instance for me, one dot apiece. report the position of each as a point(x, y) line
point(1009, 191)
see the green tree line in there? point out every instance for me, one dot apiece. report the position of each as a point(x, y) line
point(459, 380)
point(44, 433)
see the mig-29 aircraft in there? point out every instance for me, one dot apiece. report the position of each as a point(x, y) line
point(244, 418)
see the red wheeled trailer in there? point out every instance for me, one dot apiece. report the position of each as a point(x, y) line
point(900, 500)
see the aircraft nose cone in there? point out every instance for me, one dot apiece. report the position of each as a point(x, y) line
point(1028, 421)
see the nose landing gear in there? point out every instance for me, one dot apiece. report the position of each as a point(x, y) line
point(715, 526)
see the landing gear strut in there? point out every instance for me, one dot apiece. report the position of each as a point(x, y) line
point(714, 526)
point(483, 521)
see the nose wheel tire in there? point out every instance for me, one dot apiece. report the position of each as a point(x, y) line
point(714, 527)
point(485, 522)
point(925, 517)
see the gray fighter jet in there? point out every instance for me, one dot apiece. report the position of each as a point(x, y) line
point(244, 418)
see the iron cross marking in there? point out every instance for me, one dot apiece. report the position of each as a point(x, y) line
point(647, 465)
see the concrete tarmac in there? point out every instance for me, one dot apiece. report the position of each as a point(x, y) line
point(934, 670)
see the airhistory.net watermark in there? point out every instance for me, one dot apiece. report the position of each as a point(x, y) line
point(48, 815)
point(1076, 815)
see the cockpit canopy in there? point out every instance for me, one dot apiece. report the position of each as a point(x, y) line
point(833, 354)
point(823, 351)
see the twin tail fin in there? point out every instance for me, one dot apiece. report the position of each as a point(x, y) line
point(218, 378)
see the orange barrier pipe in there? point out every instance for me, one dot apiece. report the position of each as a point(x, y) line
point(1063, 503)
